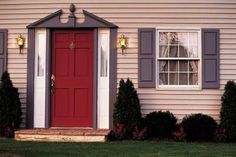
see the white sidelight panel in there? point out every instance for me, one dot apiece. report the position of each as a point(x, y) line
point(39, 81)
point(103, 79)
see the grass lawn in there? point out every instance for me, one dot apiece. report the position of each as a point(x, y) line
point(11, 148)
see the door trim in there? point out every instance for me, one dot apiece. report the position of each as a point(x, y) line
point(48, 79)
point(95, 72)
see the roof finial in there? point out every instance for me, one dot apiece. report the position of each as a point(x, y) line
point(72, 10)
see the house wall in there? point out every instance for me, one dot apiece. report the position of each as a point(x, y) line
point(129, 15)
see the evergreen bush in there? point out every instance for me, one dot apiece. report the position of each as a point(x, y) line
point(160, 124)
point(10, 107)
point(199, 127)
point(127, 108)
point(228, 111)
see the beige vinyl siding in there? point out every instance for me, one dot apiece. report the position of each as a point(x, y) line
point(130, 15)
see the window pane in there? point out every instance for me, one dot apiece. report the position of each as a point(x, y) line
point(183, 44)
point(163, 80)
point(103, 62)
point(193, 79)
point(163, 38)
point(193, 52)
point(183, 66)
point(163, 51)
point(173, 38)
point(193, 66)
point(193, 39)
point(173, 51)
point(163, 66)
point(41, 55)
point(104, 56)
point(183, 51)
point(174, 79)
point(183, 79)
point(173, 66)
point(183, 39)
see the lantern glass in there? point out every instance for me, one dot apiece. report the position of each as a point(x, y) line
point(20, 41)
point(122, 42)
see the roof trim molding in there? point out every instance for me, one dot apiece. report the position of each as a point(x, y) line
point(53, 21)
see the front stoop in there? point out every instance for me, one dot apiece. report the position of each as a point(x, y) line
point(62, 135)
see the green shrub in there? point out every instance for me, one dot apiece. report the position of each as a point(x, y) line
point(10, 107)
point(127, 108)
point(228, 111)
point(160, 124)
point(199, 127)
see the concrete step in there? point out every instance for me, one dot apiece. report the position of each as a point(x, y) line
point(62, 135)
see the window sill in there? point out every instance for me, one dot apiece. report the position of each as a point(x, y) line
point(179, 88)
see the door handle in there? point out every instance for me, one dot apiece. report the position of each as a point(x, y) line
point(53, 84)
point(72, 45)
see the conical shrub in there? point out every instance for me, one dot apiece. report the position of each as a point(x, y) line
point(10, 107)
point(127, 108)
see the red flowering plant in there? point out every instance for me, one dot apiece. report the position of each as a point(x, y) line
point(140, 134)
point(118, 132)
point(119, 128)
point(179, 135)
point(8, 130)
point(220, 134)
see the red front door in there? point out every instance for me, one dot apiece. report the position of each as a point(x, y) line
point(72, 66)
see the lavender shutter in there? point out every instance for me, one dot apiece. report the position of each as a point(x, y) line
point(210, 51)
point(3, 50)
point(147, 57)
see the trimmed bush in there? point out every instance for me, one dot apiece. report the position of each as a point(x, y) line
point(10, 107)
point(199, 127)
point(228, 111)
point(127, 108)
point(160, 124)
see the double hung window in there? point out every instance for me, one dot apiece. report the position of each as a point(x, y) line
point(178, 58)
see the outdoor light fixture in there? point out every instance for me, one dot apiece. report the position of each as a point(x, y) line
point(122, 42)
point(20, 42)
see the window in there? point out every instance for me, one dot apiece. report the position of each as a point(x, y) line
point(41, 54)
point(104, 55)
point(178, 58)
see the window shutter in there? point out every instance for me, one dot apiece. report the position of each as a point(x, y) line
point(210, 51)
point(147, 57)
point(3, 50)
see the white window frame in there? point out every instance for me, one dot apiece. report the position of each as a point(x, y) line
point(179, 87)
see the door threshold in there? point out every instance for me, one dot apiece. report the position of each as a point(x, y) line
point(74, 128)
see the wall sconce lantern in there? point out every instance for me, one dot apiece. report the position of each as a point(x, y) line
point(20, 42)
point(122, 42)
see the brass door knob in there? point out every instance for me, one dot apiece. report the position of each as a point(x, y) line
point(72, 45)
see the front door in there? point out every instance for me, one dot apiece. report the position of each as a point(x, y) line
point(72, 78)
